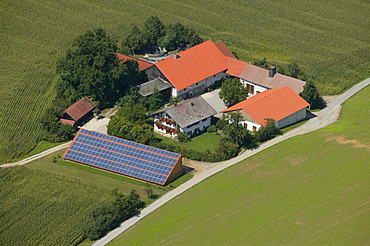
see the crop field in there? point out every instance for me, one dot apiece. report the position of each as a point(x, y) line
point(309, 190)
point(329, 39)
point(47, 203)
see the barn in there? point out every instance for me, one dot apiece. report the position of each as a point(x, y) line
point(281, 104)
point(124, 157)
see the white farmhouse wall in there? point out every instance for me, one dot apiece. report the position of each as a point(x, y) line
point(249, 125)
point(199, 87)
point(293, 118)
point(257, 88)
point(201, 125)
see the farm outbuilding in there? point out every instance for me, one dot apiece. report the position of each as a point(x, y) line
point(79, 112)
point(281, 104)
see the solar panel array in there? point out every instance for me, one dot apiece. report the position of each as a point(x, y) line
point(122, 156)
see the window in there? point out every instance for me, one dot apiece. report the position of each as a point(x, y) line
point(185, 89)
point(254, 128)
point(204, 119)
point(246, 125)
point(196, 83)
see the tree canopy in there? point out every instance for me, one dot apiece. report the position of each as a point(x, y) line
point(91, 68)
point(232, 91)
point(311, 94)
point(269, 131)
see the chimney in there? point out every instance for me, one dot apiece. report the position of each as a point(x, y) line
point(272, 71)
point(177, 56)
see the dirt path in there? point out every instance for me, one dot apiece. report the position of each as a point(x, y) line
point(324, 118)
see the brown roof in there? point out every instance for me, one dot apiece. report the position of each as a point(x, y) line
point(142, 64)
point(80, 108)
point(260, 76)
point(189, 111)
point(224, 50)
point(275, 103)
point(67, 122)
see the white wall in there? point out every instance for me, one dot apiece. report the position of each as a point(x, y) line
point(198, 88)
point(257, 88)
point(249, 125)
point(293, 118)
point(200, 126)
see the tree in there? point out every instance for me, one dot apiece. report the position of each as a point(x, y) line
point(262, 63)
point(174, 100)
point(311, 94)
point(155, 101)
point(135, 113)
point(293, 70)
point(149, 191)
point(131, 99)
point(135, 40)
point(91, 68)
point(269, 131)
point(232, 91)
point(153, 30)
point(237, 133)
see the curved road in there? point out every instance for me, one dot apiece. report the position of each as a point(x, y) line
point(324, 118)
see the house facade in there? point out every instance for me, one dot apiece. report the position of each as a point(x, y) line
point(283, 105)
point(190, 116)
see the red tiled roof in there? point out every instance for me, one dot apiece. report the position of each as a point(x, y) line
point(224, 50)
point(235, 67)
point(275, 103)
point(80, 108)
point(142, 64)
point(68, 122)
point(193, 65)
point(260, 76)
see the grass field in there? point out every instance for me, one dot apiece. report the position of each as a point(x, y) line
point(328, 38)
point(46, 202)
point(310, 190)
point(202, 143)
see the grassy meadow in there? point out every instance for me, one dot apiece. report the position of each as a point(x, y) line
point(47, 202)
point(309, 190)
point(329, 39)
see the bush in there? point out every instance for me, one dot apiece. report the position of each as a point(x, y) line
point(212, 128)
point(269, 131)
point(182, 136)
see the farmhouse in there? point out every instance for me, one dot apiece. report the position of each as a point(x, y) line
point(190, 116)
point(79, 111)
point(283, 105)
point(193, 71)
point(124, 157)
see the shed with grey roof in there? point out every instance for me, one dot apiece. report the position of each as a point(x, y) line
point(147, 88)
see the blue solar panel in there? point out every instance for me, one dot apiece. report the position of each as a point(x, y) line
point(122, 156)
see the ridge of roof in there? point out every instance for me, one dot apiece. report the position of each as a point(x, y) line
point(142, 64)
point(193, 65)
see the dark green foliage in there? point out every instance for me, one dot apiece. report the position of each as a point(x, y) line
point(154, 34)
point(212, 128)
point(232, 91)
point(311, 95)
point(131, 99)
point(154, 101)
point(109, 216)
point(174, 100)
point(179, 37)
point(227, 149)
point(238, 134)
point(269, 131)
point(135, 113)
point(262, 63)
point(182, 136)
point(153, 30)
point(91, 68)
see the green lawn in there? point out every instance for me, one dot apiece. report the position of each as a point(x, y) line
point(47, 202)
point(206, 141)
point(327, 38)
point(309, 190)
